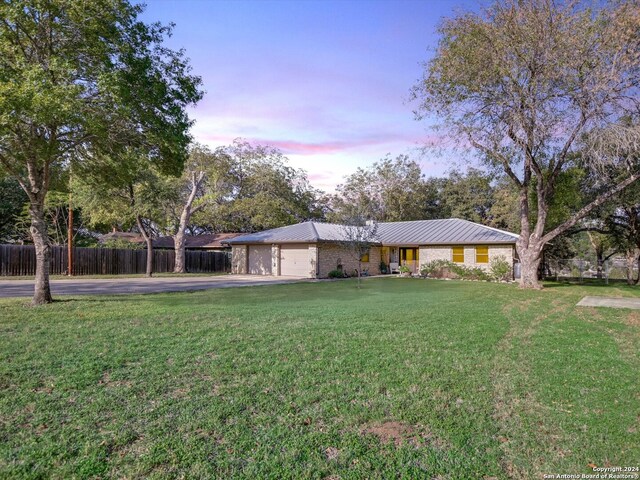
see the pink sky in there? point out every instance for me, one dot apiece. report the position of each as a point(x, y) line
point(326, 82)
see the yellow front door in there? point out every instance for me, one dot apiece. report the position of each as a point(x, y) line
point(409, 257)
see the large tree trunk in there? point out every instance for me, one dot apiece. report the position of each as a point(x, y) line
point(42, 291)
point(632, 258)
point(147, 239)
point(600, 261)
point(179, 243)
point(530, 256)
point(179, 238)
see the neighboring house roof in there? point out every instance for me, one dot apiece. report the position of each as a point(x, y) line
point(205, 241)
point(420, 232)
point(126, 236)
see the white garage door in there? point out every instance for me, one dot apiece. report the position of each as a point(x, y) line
point(260, 259)
point(294, 260)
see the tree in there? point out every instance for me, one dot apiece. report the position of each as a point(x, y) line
point(524, 84)
point(204, 182)
point(623, 225)
point(359, 235)
point(82, 80)
point(468, 196)
point(503, 215)
point(12, 202)
point(602, 247)
point(134, 196)
point(263, 191)
point(390, 190)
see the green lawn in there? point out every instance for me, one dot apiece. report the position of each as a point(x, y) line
point(405, 378)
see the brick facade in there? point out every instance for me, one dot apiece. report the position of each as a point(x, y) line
point(330, 255)
point(324, 257)
point(437, 252)
point(239, 259)
point(275, 260)
point(314, 254)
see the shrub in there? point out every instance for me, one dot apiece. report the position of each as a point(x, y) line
point(500, 269)
point(474, 274)
point(336, 274)
point(439, 269)
point(447, 269)
point(404, 269)
point(383, 267)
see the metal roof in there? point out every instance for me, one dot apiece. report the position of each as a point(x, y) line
point(420, 232)
point(441, 232)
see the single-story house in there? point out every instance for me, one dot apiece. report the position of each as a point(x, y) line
point(313, 249)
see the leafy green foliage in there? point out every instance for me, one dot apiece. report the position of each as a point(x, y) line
point(122, 244)
point(447, 269)
point(259, 191)
point(87, 79)
point(390, 190)
point(500, 269)
point(510, 82)
point(504, 212)
point(404, 269)
point(468, 196)
point(12, 203)
point(81, 82)
point(395, 190)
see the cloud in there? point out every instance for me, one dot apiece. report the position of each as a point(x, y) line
point(295, 147)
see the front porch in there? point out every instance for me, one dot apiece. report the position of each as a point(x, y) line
point(396, 256)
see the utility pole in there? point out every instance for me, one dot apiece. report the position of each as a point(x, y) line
point(70, 241)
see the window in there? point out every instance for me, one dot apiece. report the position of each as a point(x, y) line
point(482, 254)
point(365, 257)
point(458, 254)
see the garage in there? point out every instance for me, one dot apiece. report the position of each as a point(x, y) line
point(294, 260)
point(259, 259)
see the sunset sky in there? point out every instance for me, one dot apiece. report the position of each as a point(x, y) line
point(327, 82)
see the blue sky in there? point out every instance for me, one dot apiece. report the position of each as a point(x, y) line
point(327, 82)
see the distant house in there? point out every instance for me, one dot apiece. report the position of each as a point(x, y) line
point(121, 238)
point(208, 242)
point(313, 249)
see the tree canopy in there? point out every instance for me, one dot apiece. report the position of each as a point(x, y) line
point(261, 191)
point(83, 81)
point(528, 86)
point(390, 190)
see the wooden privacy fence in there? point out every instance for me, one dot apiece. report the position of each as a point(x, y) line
point(16, 260)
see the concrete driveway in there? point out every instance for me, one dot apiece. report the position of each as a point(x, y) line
point(611, 302)
point(115, 286)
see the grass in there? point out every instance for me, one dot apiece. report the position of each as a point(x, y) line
point(405, 378)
